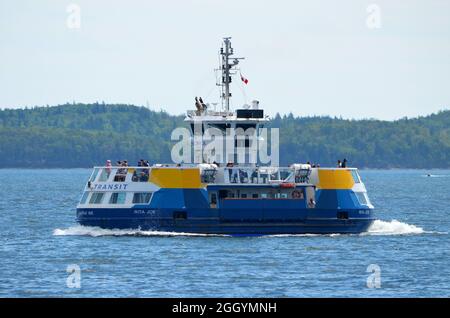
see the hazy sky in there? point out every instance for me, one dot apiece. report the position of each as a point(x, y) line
point(306, 57)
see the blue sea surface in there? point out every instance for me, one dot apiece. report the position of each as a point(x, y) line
point(407, 248)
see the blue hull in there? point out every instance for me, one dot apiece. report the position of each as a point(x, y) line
point(217, 222)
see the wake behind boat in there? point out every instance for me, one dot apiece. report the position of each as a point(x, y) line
point(223, 194)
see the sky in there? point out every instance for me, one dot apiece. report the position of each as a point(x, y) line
point(352, 58)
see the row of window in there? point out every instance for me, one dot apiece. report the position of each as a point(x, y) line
point(115, 197)
point(235, 194)
point(257, 195)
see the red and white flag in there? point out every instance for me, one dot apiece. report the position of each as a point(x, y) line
point(244, 79)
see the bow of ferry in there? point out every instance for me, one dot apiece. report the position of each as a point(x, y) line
point(227, 197)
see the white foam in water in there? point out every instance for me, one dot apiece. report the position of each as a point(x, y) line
point(289, 235)
point(435, 175)
point(379, 227)
point(393, 227)
point(97, 231)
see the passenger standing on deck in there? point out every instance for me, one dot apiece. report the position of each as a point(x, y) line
point(199, 106)
point(108, 167)
point(145, 163)
point(339, 164)
point(344, 163)
point(204, 106)
point(122, 172)
point(230, 171)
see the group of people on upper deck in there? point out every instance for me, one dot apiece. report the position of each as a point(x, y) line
point(342, 164)
point(124, 163)
point(138, 175)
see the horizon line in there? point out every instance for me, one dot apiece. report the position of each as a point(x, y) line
point(26, 107)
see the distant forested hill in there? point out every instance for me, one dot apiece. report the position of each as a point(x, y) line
point(79, 135)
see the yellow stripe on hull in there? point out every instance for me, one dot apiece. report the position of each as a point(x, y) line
point(176, 178)
point(335, 179)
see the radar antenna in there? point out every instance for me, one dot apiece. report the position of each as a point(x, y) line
point(228, 69)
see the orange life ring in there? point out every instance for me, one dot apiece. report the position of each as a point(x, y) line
point(287, 185)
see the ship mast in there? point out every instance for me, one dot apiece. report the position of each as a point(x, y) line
point(228, 69)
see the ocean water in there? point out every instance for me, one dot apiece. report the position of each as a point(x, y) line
point(404, 254)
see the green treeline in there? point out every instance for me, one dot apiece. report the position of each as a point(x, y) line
point(80, 135)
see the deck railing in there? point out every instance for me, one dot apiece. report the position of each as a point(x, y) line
point(192, 113)
point(208, 174)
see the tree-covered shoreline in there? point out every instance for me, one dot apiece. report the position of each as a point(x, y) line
point(83, 135)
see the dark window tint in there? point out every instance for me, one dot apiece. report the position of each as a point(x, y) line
point(96, 197)
point(142, 197)
point(117, 198)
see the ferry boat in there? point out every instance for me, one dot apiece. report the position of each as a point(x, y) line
point(227, 197)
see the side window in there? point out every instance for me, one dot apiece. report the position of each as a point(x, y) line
point(117, 198)
point(244, 195)
point(264, 196)
point(213, 202)
point(94, 174)
point(355, 176)
point(361, 198)
point(84, 197)
point(142, 197)
point(96, 197)
point(255, 195)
